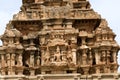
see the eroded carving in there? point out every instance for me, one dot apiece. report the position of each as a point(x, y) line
point(57, 37)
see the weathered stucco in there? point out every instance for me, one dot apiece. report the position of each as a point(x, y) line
point(58, 40)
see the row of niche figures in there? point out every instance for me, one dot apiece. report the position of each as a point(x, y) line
point(52, 12)
point(33, 60)
point(106, 57)
point(56, 12)
point(36, 60)
point(10, 60)
point(102, 57)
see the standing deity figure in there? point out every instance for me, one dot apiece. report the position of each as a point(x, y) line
point(84, 57)
point(103, 57)
point(64, 57)
point(45, 12)
point(38, 61)
point(32, 60)
point(12, 59)
point(56, 12)
point(8, 59)
point(20, 60)
point(46, 57)
point(69, 56)
point(90, 58)
point(3, 62)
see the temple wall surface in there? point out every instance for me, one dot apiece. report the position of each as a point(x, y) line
point(63, 77)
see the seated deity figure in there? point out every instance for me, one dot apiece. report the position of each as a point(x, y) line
point(58, 55)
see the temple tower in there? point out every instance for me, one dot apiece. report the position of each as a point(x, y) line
point(58, 39)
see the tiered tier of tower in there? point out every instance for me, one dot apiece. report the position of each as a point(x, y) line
point(58, 37)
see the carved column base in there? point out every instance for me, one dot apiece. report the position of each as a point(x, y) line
point(86, 69)
point(107, 68)
point(2, 72)
point(97, 69)
point(19, 70)
point(32, 72)
point(115, 68)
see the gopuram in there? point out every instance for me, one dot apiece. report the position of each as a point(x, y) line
point(58, 40)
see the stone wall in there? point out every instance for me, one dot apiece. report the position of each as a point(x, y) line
point(63, 77)
point(58, 40)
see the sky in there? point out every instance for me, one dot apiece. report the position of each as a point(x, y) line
point(108, 9)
